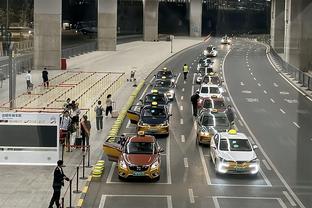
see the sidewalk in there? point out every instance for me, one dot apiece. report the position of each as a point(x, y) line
point(30, 186)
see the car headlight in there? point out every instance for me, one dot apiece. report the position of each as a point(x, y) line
point(254, 163)
point(155, 165)
point(142, 124)
point(172, 80)
point(171, 92)
point(123, 165)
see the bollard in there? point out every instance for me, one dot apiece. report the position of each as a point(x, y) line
point(70, 194)
point(77, 191)
point(89, 166)
point(83, 167)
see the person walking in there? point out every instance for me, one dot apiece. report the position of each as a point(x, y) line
point(58, 182)
point(185, 71)
point(99, 115)
point(85, 131)
point(2, 77)
point(65, 122)
point(109, 105)
point(194, 100)
point(230, 115)
point(45, 78)
point(28, 82)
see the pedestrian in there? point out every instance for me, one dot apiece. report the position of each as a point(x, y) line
point(194, 100)
point(85, 131)
point(45, 78)
point(67, 104)
point(185, 71)
point(28, 82)
point(2, 77)
point(109, 105)
point(99, 115)
point(230, 114)
point(65, 123)
point(58, 182)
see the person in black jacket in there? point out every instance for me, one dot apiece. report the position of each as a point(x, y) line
point(194, 100)
point(230, 114)
point(58, 182)
point(45, 78)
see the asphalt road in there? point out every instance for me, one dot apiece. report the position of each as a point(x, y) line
point(275, 117)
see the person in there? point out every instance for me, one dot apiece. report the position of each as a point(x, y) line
point(45, 78)
point(85, 131)
point(194, 100)
point(58, 182)
point(230, 114)
point(185, 71)
point(65, 122)
point(28, 81)
point(75, 119)
point(99, 115)
point(67, 104)
point(109, 105)
point(2, 77)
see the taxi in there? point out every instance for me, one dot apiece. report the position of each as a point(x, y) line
point(152, 119)
point(165, 86)
point(138, 156)
point(211, 51)
point(155, 96)
point(209, 123)
point(216, 104)
point(165, 74)
point(212, 78)
point(211, 91)
point(232, 153)
point(226, 40)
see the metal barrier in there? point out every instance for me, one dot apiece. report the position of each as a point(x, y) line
point(78, 50)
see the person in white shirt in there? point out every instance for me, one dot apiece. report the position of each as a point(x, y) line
point(28, 81)
point(65, 122)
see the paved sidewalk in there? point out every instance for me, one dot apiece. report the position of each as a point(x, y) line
point(30, 186)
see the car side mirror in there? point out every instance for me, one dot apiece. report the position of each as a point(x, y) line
point(255, 146)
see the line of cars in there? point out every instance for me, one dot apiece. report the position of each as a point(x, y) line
point(231, 151)
point(140, 155)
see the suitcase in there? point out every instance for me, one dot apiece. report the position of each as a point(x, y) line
point(115, 113)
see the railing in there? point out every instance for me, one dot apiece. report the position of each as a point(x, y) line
point(78, 50)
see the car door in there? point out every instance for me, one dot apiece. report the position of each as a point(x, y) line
point(214, 143)
point(133, 114)
point(112, 149)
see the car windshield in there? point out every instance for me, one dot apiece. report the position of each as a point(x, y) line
point(204, 90)
point(224, 145)
point(240, 145)
point(208, 121)
point(160, 99)
point(218, 104)
point(222, 121)
point(154, 112)
point(202, 71)
point(140, 148)
point(207, 104)
point(206, 79)
point(163, 83)
point(214, 90)
point(167, 74)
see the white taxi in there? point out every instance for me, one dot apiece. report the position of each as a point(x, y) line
point(210, 91)
point(232, 153)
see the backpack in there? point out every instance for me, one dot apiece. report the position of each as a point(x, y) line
point(99, 111)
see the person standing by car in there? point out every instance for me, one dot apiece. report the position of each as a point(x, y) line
point(230, 114)
point(85, 131)
point(28, 82)
point(185, 71)
point(65, 122)
point(99, 115)
point(45, 78)
point(194, 100)
point(109, 105)
point(58, 182)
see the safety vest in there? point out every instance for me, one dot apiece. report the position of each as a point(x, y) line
point(185, 68)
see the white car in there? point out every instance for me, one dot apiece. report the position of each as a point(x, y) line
point(210, 52)
point(232, 153)
point(211, 91)
point(226, 40)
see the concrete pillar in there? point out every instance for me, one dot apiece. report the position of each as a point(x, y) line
point(107, 25)
point(47, 33)
point(298, 33)
point(150, 20)
point(278, 25)
point(195, 18)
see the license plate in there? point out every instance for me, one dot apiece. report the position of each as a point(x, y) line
point(138, 174)
point(240, 169)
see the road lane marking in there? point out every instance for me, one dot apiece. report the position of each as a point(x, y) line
point(273, 101)
point(215, 202)
point(266, 164)
point(170, 108)
point(265, 92)
point(202, 158)
point(284, 93)
point(192, 89)
point(181, 121)
point(251, 140)
point(182, 97)
point(282, 111)
point(217, 205)
point(181, 107)
point(183, 89)
point(168, 160)
point(296, 125)
point(186, 165)
point(288, 197)
point(249, 69)
point(242, 84)
point(228, 99)
point(259, 84)
point(291, 101)
point(102, 202)
point(191, 196)
point(246, 91)
point(111, 172)
point(275, 85)
point(182, 138)
point(144, 92)
point(255, 79)
point(194, 75)
point(240, 123)
point(178, 78)
point(251, 73)
point(280, 201)
point(252, 100)
point(265, 178)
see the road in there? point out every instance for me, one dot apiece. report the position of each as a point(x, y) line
point(273, 114)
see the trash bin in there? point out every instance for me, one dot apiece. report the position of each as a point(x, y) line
point(63, 64)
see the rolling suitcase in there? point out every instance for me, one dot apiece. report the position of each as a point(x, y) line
point(115, 112)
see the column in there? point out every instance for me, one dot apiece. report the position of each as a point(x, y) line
point(47, 33)
point(278, 25)
point(298, 33)
point(195, 18)
point(107, 25)
point(150, 20)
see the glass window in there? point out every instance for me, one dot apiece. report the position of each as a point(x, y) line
point(224, 145)
point(204, 90)
point(140, 148)
point(208, 121)
point(214, 90)
point(239, 145)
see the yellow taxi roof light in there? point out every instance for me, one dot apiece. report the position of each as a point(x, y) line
point(165, 68)
point(214, 110)
point(232, 131)
point(211, 73)
point(141, 133)
point(154, 91)
point(163, 77)
point(154, 103)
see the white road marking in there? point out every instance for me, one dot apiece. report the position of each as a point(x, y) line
point(194, 75)
point(181, 107)
point(178, 78)
point(246, 91)
point(252, 100)
point(251, 140)
point(111, 172)
point(255, 78)
point(182, 97)
point(185, 162)
point(265, 178)
point(291, 101)
point(183, 89)
point(144, 92)
point(182, 138)
point(217, 205)
point(280, 201)
point(291, 201)
point(202, 158)
point(102, 202)
point(275, 85)
point(240, 123)
point(284, 93)
point(296, 124)
point(266, 164)
point(192, 89)
point(251, 73)
point(191, 196)
point(228, 99)
point(170, 108)
point(168, 160)
point(249, 69)
point(259, 84)
point(282, 111)
point(273, 101)
point(181, 121)
point(242, 84)
point(215, 202)
point(265, 92)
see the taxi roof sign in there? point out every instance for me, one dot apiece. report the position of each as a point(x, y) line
point(232, 131)
point(214, 110)
point(163, 77)
point(141, 133)
point(165, 68)
point(154, 103)
point(154, 91)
